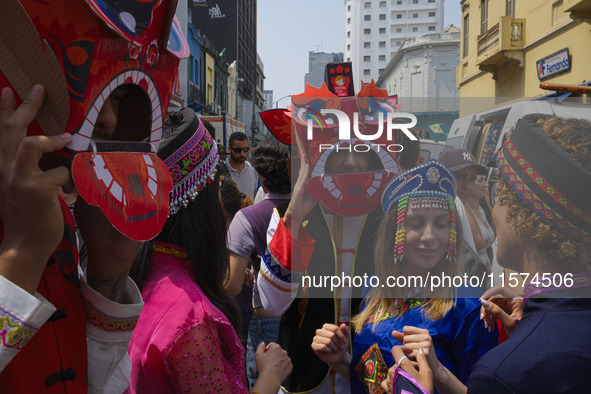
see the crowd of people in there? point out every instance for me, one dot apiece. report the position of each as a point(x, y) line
point(220, 299)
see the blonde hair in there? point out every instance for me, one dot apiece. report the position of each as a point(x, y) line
point(382, 300)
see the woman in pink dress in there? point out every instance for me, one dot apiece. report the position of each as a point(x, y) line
point(185, 339)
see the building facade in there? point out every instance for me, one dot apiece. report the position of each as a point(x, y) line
point(510, 46)
point(227, 31)
point(268, 98)
point(316, 64)
point(376, 29)
point(423, 75)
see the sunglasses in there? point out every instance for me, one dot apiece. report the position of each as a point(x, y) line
point(238, 150)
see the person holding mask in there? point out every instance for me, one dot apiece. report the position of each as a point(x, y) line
point(186, 338)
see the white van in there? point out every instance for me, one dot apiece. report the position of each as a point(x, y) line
point(430, 149)
point(483, 133)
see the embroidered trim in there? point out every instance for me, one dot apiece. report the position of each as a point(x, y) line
point(431, 179)
point(540, 207)
point(106, 322)
point(582, 279)
point(396, 311)
point(275, 267)
point(179, 254)
point(372, 369)
point(275, 285)
point(192, 168)
point(14, 332)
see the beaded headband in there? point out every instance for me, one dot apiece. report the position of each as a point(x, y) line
point(191, 156)
point(428, 186)
point(547, 178)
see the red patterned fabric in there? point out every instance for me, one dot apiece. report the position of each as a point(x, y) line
point(294, 254)
point(59, 345)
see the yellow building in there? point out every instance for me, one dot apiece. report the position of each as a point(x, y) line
point(209, 81)
point(510, 46)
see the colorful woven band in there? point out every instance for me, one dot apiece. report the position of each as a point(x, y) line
point(553, 184)
point(192, 167)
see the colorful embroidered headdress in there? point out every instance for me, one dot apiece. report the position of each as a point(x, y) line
point(547, 178)
point(191, 156)
point(428, 186)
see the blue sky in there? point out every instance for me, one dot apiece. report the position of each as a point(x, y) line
point(288, 30)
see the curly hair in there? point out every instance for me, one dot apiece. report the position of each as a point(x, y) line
point(269, 159)
point(574, 136)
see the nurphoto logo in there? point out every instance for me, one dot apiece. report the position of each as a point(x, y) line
point(344, 129)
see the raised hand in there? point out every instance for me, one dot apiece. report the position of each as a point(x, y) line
point(273, 366)
point(330, 345)
point(420, 371)
point(301, 203)
point(501, 303)
point(31, 214)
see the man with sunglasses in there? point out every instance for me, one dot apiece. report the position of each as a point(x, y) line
point(241, 171)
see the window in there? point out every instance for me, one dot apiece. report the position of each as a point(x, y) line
point(382, 44)
point(367, 4)
point(558, 12)
point(382, 17)
point(349, 8)
point(483, 16)
point(415, 29)
point(348, 59)
point(398, 16)
point(382, 4)
point(348, 21)
point(367, 44)
point(348, 34)
point(431, 13)
point(466, 37)
point(415, 15)
point(348, 47)
point(367, 58)
point(382, 58)
point(399, 2)
point(399, 30)
point(431, 1)
point(366, 31)
point(431, 28)
point(415, 1)
point(367, 71)
point(381, 70)
point(398, 43)
point(190, 62)
point(366, 17)
point(382, 30)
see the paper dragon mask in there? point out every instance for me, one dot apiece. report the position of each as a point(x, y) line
point(81, 51)
point(314, 117)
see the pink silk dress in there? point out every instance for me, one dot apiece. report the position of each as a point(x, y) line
point(182, 342)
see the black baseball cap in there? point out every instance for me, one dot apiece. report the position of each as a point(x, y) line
point(458, 159)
